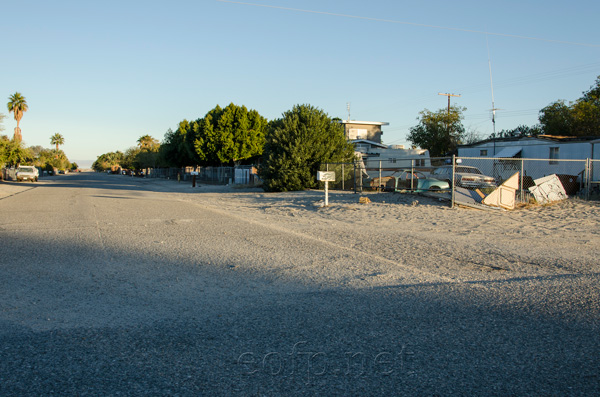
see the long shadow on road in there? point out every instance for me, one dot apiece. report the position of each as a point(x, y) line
point(87, 314)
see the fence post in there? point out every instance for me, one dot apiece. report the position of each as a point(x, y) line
point(588, 179)
point(354, 176)
point(522, 180)
point(343, 177)
point(412, 174)
point(379, 187)
point(452, 184)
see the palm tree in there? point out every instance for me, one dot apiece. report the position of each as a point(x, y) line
point(57, 139)
point(148, 143)
point(17, 105)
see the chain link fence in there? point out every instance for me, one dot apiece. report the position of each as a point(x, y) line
point(212, 175)
point(513, 182)
point(473, 181)
point(467, 181)
point(389, 174)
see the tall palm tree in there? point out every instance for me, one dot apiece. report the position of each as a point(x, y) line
point(17, 105)
point(148, 143)
point(57, 139)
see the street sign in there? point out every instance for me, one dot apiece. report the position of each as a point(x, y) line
point(326, 176)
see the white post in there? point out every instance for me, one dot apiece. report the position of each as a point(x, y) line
point(326, 193)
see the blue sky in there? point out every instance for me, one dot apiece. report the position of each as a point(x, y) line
point(105, 73)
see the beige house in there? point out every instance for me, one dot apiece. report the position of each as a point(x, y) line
point(363, 130)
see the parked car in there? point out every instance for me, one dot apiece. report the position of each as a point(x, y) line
point(465, 176)
point(419, 182)
point(27, 173)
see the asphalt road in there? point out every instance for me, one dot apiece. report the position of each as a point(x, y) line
point(112, 285)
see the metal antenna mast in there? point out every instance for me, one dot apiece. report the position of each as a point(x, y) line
point(492, 86)
point(348, 108)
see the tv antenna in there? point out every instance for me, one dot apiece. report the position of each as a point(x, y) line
point(348, 109)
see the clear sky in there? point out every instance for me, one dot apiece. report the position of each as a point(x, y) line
point(104, 73)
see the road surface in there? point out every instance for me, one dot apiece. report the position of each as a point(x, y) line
point(115, 285)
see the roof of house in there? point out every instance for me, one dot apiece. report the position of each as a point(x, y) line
point(364, 122)
point(549, 138)
point(381, 145)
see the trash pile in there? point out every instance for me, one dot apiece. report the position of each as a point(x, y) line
point(544, 190)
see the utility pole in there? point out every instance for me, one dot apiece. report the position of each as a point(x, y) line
point(448, 95)
point(448, 122)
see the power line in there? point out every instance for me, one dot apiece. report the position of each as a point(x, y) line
point(411, 23)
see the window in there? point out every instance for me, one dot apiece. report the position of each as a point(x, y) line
point(483, 152)
point(357, 133)
point(553, 155)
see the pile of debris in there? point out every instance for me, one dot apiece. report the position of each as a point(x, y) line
point(545, 190)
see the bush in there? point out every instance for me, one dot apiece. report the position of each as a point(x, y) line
point(297, 144)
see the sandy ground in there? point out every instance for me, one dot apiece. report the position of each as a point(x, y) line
point(539, 240)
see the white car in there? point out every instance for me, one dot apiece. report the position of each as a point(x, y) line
point(464, 176)
point(27, 173)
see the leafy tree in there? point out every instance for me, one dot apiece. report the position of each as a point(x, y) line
point(439, 132)
point(2, 117)
point(4, 141)
point(43, 156)
point(13, 153)
point(296, 146)
point(130, 158)
point(146, 142)
point(107, 161)
point(593, 94)
point(178, 147)
point(578, 118)
point(556, 119)
point(148, 155)
point(229, 135)
point(518, 132)
point(17, 105)
point(60, 160)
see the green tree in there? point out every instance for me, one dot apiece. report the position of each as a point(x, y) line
point(57, 139)
point(439, 132)
point(13, 153)
point(146, 142)
point(578, 118)
point(229, 135)
point(130, 158)
point(178, 149)
point(107, 161)
point(593, 94)
point(518, 132)
point(17, 105)
point(296, 146)
point(4, 141)
point(557, 119)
